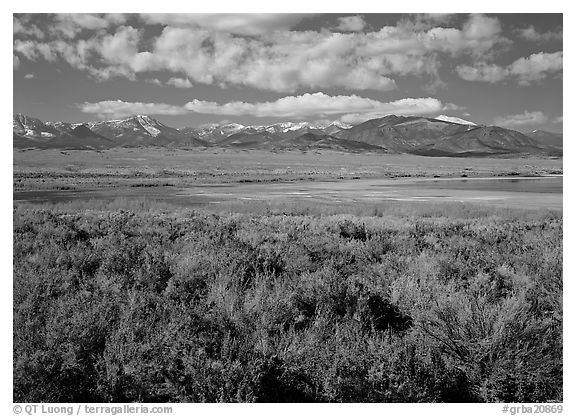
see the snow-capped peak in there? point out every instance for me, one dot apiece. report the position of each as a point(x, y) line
point(231, 128)
point(295, 126)
point(149, 124)
point(341, 125)
point(455, 120)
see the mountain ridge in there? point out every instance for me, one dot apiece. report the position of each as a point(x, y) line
point(440, 136)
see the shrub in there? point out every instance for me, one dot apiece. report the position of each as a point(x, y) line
point(147, 305)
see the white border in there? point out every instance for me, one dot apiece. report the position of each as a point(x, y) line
point(334, 6)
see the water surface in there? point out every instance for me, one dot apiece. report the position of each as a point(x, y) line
point(518, 192)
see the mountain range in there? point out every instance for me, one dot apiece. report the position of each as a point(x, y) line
point(440, 136)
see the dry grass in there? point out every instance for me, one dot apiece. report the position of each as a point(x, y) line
point(49, 169)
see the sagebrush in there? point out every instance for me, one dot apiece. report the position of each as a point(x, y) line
point(190, 306)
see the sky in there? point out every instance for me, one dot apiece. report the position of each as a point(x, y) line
point(259, 69)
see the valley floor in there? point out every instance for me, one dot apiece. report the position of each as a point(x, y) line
point(74, 169)
point(125, 299)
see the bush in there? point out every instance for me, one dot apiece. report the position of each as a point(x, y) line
point(145, 305)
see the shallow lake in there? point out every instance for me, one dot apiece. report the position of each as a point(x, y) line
point(517, 192)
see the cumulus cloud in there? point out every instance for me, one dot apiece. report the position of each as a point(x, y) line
point(536, 67)
point(559, 119)
point(121, 46)
point(153, 81)
point(118, 108)
point(301, 106)
point(479, 36)
point(318, 104)
point(71, 24)
point(207, 51)
point(34, 50)
point(284, 62)
point(16, 62)
point(63, 25)
point(241, 24)
point(523, 71)
point(29, 76)
point(180, 82)
point(482, 72)
point(530, 33)
point(118, 52)
point(351, 24)
point(21, 26)
point(519, 120)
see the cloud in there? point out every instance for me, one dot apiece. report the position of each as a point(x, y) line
point(478, 37)
point(34, 50)
point(558, 119)
point(523, 71)
point(439, 17)
point(531, 34)
point(206, 51)
point(301, 106)
point(180, 82)
point(480, 26)
point(240, 24)
point(536, 67)
point(318, 104)
point(482, 72)
point(119, 51)
point(16, 62)
point(29, 76)
point(118, 108)
point(519, 120)
point(287, 61)
point(22, 27)
point(351, 24)
point(63, 25)
point(153, 81)
point(70, 25)
point(284, 62)
point(425, 21)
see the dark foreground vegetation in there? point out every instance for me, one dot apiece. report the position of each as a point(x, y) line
point(155, 305)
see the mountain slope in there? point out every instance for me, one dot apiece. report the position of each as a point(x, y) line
point(32, 127)
point(212, 133)
point(310, 141)
point(217, 133)
point(143, 131)
point(81, 137)
point(32, 132)
point(252, 140)
point(441, 136)
point(61, 126)
point(484, 141)
point(547, 138)
point(402, 134)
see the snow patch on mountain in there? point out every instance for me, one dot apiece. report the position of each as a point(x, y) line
point(231, 128)
point(149, 125)
point(456, 120)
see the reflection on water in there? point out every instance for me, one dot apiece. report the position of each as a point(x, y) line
point(538, 185)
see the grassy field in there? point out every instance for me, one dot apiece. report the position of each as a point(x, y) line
point(54, 169)
point(138, 301)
